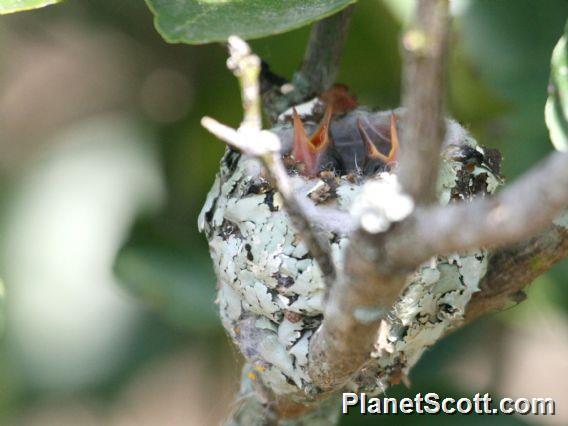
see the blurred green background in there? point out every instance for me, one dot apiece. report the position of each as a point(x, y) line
point(109, 317)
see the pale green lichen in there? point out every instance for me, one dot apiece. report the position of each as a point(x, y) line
point(368, 314)
point(562, 220)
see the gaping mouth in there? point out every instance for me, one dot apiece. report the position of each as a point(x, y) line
point(365, 147)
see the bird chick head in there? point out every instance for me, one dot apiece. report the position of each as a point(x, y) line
point(332, 133)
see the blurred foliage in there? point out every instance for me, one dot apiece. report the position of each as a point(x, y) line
point(512, 55)
point(101, 56)
point(205, 21)
point(556, 109)
point(2, 306)
point(12, 6)
point(171, 280)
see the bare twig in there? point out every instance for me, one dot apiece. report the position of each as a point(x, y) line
point(319, 67)
point(518, 212)
point(265, 145)
point(424, 46)
point(365, 291)
point(246, 68)
point(321, 59)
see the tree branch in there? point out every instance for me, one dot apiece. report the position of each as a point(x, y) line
point(424, 45)
point(318, 70)
point(513, 268)
point(321, 59)
point(265, 145)
point(365, 292)
point(518, 212)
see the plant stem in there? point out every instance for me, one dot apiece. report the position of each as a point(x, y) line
point(318, 70)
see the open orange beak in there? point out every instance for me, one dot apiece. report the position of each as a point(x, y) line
point(372, 153)
point(308, 150)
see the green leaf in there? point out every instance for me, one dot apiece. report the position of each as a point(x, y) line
point(11, 6)
point(205, 21)
point(556, 109)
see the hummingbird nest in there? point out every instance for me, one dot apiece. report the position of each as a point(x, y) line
point(271, 292)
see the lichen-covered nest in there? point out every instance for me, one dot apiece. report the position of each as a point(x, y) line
point(271, 291)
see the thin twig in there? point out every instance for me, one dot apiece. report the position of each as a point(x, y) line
point(265, 145)
point(422, 133)
point(319, 67)
point(246, 68)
